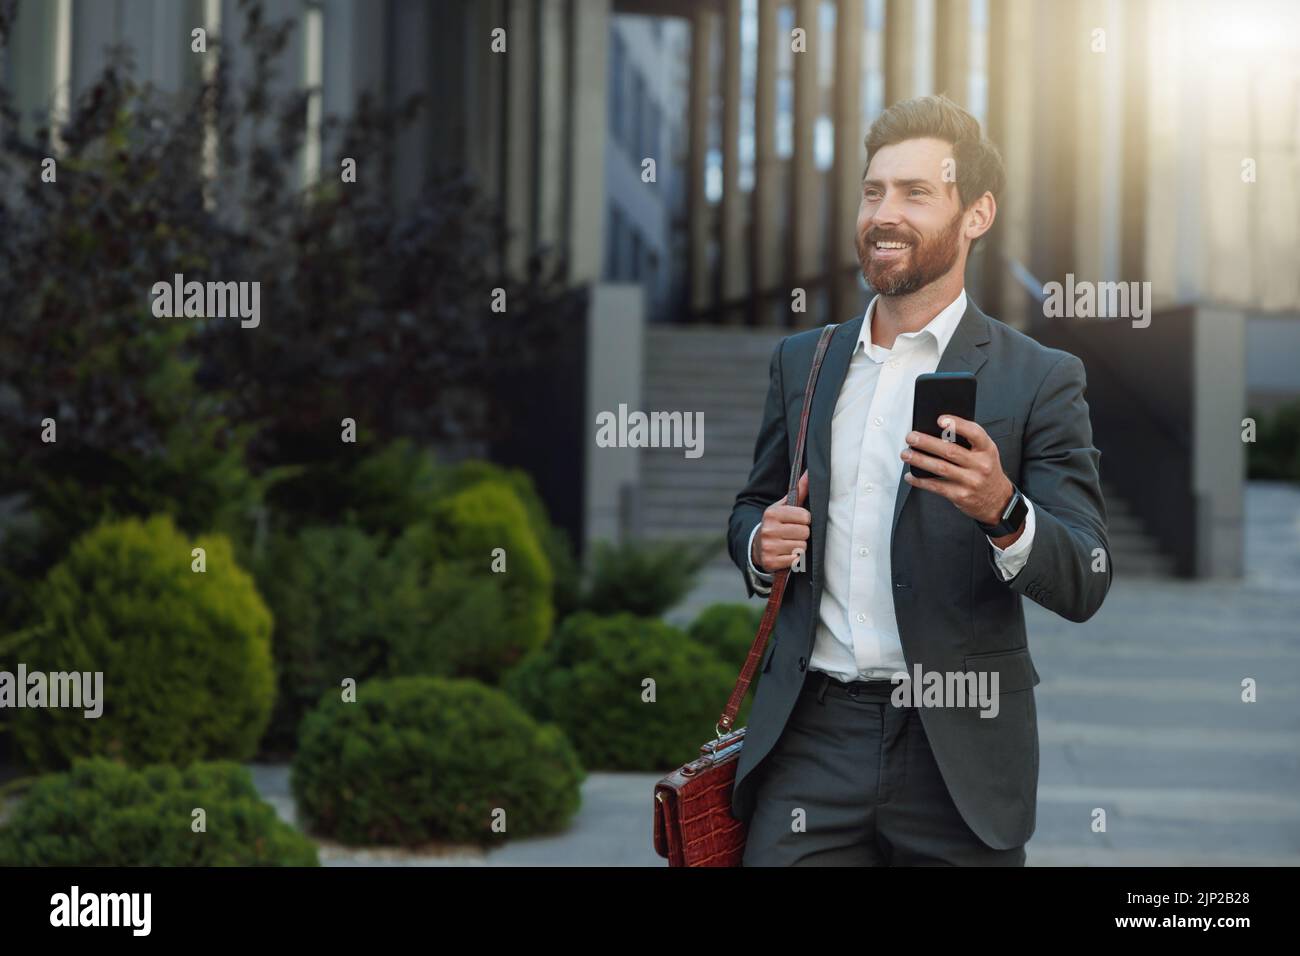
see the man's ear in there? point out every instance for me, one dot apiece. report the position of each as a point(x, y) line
point(980, 216)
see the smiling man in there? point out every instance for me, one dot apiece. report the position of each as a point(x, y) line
point(910, 575)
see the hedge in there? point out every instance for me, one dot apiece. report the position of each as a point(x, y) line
point(590, 680)
point(414, 759)
point(185, 656)
point(101, 813)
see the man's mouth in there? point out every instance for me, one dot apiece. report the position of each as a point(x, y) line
point(890, 249)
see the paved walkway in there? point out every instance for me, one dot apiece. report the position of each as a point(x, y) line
point(1139, 713)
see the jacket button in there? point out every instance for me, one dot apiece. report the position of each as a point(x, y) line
point(802, 663)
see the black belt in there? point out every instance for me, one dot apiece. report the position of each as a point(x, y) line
point(820, 682)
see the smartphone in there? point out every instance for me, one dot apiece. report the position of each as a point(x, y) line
point(942, 393)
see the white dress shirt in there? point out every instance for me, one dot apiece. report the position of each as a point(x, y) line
point(857, 632)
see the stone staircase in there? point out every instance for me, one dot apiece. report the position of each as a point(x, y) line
point(723, 373)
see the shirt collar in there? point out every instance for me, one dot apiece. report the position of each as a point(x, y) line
point(940, 328)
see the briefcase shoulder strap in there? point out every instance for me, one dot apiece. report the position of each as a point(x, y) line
point(782, 576)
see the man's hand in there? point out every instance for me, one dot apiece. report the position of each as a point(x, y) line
point(783, 532)
point(971, 478)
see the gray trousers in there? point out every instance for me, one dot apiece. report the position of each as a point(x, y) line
point(862, 772)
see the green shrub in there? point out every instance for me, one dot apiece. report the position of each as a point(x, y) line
point(1275, 453)
point(728, 630)
point(461, 618)
point(330, 591)
point(185, 656)
point(400, 485)
point(414, 759)
point(589, 677)
point(644, 578)
point(555, 542)
point(101, 813)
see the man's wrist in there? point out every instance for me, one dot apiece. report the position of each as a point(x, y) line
point(1004, 499)
point(1010, 519)
point(753, 564)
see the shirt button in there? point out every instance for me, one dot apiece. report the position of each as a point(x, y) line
point(868, 487)
point(879, 421)
point(861, 618)
point(864, 551)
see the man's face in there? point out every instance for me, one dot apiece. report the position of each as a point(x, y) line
point(910, 220)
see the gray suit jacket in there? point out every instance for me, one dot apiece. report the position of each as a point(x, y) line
point(954, 611)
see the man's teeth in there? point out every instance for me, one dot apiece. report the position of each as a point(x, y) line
point(891, 245)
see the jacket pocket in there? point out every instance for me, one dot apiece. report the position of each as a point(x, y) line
point(1015, 668)
point(999, 427)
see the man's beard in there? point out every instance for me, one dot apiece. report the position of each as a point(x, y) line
point(923, 262)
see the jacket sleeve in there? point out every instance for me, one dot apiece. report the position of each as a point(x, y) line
point(1069, 567)
point(767, 478)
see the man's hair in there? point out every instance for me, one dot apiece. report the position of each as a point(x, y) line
point(979, 164)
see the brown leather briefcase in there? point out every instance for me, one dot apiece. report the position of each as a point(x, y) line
point(693, 823)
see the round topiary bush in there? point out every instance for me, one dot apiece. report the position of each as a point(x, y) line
point(728, 630)
point(185, 656)
point(462, 618)
point(589, 679)
point(330, 591)
point(414, 759)
point(101, 813)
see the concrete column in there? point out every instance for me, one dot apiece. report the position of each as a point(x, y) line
point(588, 94)
point(615, 359)
point(40, 52)
point(952, 50)
point(850, 158)
point(1062, 41)
point(552, 135)
point(484, 96)
point(1010, 126)
point(702, 26)
point(805, 207)
point(901, 51)
point(410, 72)
point(1097, 53)
point(733, 246)
point(521, 119)
point(1135, 132)
point(764, 237)
point(1219, 455)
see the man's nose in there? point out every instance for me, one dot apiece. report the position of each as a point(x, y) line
point(889, 212)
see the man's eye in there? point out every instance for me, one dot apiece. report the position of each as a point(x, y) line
point(917, 193)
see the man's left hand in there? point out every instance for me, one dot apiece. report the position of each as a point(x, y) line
point(971, 478)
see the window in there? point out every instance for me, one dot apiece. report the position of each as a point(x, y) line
point(613, 243)
point(635, 132)
point(616, 76)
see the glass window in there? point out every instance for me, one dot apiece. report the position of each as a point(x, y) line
point(616, 63)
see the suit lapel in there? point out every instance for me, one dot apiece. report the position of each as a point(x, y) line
point(963, 354)
point(834, 369)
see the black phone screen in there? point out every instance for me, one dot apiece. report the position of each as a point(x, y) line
point(942, 393)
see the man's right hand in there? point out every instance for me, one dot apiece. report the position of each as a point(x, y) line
point(783, 532)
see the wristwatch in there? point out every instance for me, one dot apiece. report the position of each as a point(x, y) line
point(1013, 515)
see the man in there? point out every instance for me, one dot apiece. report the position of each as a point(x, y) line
point(893, 574)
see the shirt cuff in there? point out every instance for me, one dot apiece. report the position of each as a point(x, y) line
point(761, 580)
point(1011, 559)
